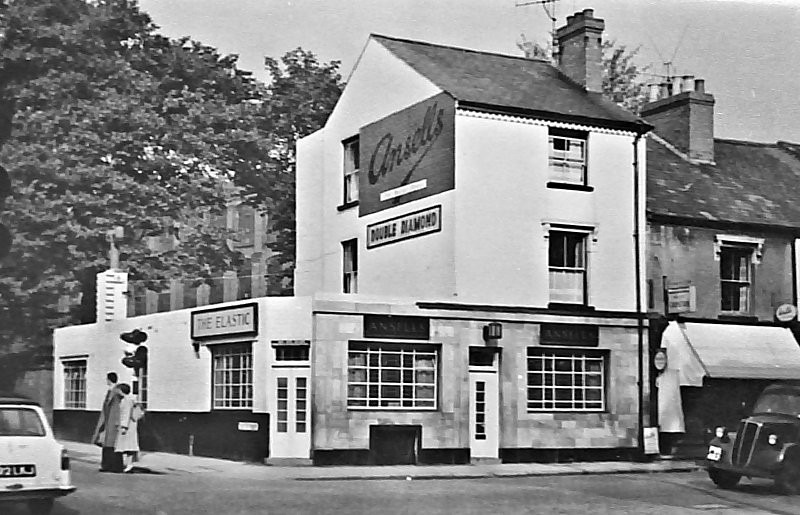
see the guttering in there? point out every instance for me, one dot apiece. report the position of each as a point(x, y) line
point(629, 126)
point(638, 272)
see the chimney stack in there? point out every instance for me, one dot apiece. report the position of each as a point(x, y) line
point(580, 49)
point(685, 119)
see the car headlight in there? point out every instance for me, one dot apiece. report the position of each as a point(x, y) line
point(721, 432)
point(772, 439)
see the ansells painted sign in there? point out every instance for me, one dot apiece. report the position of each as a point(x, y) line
point(407, 155)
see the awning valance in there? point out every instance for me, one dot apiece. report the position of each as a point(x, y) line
point(697, 350)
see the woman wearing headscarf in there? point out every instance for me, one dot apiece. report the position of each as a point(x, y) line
point(128, 438)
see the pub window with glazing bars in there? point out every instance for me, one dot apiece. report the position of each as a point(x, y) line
point(351, 158)
point(391, 376)
point(232, 375)
point(75, 384)
point(566, 380)
point(735, 273)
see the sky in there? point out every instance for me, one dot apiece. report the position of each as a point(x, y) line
point(748, 51)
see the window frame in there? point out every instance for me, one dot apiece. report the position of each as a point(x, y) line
point(412, 351)
point(570, 353)
point(350, 266)
point(243, 401)
point(350, 171)
point(79, 401)
point(741, 251)
point(566, 231)
point(558, 180)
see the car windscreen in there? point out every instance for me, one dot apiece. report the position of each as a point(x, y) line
point(786, 403)
point(20, 421)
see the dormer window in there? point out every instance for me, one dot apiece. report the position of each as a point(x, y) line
point(567, 157)
point(351, 159)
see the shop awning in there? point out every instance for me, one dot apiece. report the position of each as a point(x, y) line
point(726, 351)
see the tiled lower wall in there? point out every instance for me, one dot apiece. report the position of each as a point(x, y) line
point(336, 427)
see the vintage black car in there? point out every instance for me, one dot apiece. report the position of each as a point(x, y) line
point(766, 444)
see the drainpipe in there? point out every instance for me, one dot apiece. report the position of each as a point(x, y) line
point(638, 271)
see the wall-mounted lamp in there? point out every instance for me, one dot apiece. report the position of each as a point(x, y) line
point(492, 331)
point(196, 347)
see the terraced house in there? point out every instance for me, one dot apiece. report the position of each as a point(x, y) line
point(723, 224)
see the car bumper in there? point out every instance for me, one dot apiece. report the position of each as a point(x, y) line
point(35, 493)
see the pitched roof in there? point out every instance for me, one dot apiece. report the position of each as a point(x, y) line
point(754, 183)
point(508, 83)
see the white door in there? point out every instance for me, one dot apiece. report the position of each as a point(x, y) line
point(484, 416)
point(290, 429)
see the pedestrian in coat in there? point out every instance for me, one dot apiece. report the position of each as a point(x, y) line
point(105, 433)
point(128, 438)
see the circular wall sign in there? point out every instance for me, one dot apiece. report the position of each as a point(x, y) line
point(786, 313)
point(660, 360)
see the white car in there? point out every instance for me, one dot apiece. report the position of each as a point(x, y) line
point(34, 467)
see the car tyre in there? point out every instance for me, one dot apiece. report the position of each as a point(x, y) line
point(41, 506)
point(724, 479)
point(788, 479)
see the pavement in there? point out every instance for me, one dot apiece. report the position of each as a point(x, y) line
point(166, 463)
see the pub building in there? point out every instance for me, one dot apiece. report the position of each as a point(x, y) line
point(468, 281)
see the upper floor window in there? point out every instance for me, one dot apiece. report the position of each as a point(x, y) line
point(350, 266)
point(567, 267)
point(567, 157)
point(735, 270)
point(351, 158)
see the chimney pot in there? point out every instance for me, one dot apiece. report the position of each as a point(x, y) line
point(700, 85)
point(580, 49)
point(653, 94)
point(686, 120)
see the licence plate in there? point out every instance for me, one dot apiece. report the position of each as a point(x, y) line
point(17, 470)
point(714, 453)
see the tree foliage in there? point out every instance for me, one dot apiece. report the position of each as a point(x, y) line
point(116, 125)
point(621, 76)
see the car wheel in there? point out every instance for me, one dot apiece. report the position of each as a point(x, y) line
point(41, 506)
point(724, 479)
point(788, 479)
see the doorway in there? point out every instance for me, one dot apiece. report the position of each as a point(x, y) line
point(484, 409)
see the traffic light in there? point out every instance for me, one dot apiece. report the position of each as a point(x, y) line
point(5, 234)
point(137, 359)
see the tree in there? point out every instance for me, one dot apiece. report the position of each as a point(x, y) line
point(621, 76)
point(115, 125)
point(302, 94)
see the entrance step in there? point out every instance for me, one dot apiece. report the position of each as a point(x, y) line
point(289, 462)
point(485, 461)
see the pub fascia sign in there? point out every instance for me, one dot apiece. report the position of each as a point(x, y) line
point(397, 326)
point(579, 335)
point(403, 227)
point(223, 322)
point(408, 155)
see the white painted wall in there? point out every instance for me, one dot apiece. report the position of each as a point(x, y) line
point(380, 85)
point(492, 248)
point(503, 205)
point(179, 378)
point(309, 209)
